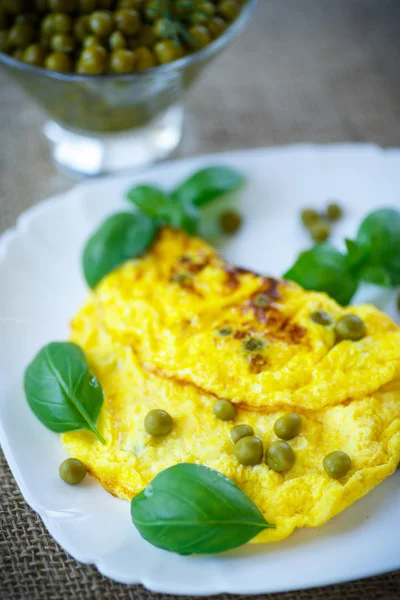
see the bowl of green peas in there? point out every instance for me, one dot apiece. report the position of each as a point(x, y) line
point(112, 74)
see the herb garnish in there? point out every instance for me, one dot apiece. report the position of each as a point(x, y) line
point(192, 509)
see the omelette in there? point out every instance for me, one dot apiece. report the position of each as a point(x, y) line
point(180, 328)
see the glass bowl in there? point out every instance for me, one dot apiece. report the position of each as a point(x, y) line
point(103, 124)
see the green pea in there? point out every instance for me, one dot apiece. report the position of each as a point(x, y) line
point(34, 55)
point(158, 423)
point(288, 426)
point(203, 11)
point(216, 26)
point(81, 28)
point(145, 59)
point(254, 344)
point(309, 217)
point(101, 23)
point(337, 464)
point(320, 232)
point(225, 331)
point(164, 28)
point(20, 35)
point(57, 61)
point(62, 42)
point(230, 221)
point(117, 41)
point(122, 61)
point(228, 9)
point(198, 36)
point(249, 450)
point(261, 301)
point(240, 431)
point(334, 212)
point(91, 40)
point(280, 456)
point(224, 410)
point(168, 50)
point(55, 23)
point(93, 61)
point(320, 317)
point(350, 327)
point(72, 471)
point(153, 10)
point(127, 20)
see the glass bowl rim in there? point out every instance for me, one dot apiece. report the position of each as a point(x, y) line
point(207, 52)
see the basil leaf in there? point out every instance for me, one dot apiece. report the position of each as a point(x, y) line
point(186, 217)
point(152, 201)
point(379, 236)
point(62, 391)
point(376, 275)
point(324, 269)
point(120, 237)
point(357, 256)
point(190, 508)
point(208, 184)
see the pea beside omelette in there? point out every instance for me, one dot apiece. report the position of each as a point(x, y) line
point(181, 328)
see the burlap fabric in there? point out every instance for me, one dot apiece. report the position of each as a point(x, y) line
point(305, 71)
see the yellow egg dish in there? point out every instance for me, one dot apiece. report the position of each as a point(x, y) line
point(152, 334)
point(172, 306)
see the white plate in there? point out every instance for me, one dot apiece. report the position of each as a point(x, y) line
point(42, 286)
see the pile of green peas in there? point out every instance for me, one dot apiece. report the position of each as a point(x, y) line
point(95, 37)
point(279, 456)
point(319, 224)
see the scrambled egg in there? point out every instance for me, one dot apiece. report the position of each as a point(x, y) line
point(180, 327)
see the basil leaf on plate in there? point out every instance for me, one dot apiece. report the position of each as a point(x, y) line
point(62, 391)
point(324, 269)
point(207, 185)
point(121, 237)
point(379, 238)
point(150, 200)
point(192, 509)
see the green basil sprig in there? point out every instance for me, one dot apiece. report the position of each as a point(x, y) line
point(373, 257)
point(62, 391)
point(192, 509)
point(128, 235)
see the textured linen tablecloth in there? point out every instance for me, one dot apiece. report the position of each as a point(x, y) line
point(318, 71)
